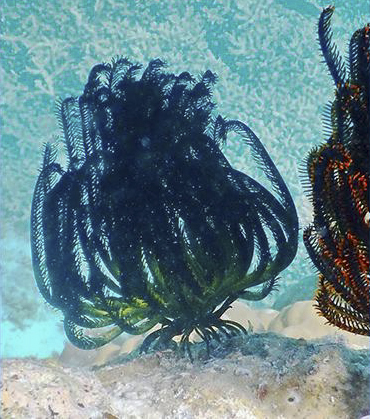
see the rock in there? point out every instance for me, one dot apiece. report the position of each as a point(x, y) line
point(255, 376)
point(259, 319)
point(301, 320)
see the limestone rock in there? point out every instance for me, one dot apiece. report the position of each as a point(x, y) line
point(256, 376)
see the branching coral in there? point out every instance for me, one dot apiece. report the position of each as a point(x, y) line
point(338, 239)
point(150, 224)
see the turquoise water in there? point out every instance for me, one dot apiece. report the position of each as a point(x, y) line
point(270, 74)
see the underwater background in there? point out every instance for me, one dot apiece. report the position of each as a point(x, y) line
point(270, 76)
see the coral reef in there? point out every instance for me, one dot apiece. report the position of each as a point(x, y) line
point(338, 239)
point(149, 223)
point(254, 376)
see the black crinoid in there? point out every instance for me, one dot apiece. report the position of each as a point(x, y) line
point(338, 239)
point(149, 223)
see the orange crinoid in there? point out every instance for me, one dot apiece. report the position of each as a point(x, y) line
point(338, 239)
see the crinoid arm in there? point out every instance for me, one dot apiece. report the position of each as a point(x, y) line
point(275, 214)
point(328, 47)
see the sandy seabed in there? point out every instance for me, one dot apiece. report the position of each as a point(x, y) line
point(261, 375)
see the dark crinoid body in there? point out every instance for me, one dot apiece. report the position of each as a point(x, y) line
point(149, 223)
point(338, 239)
